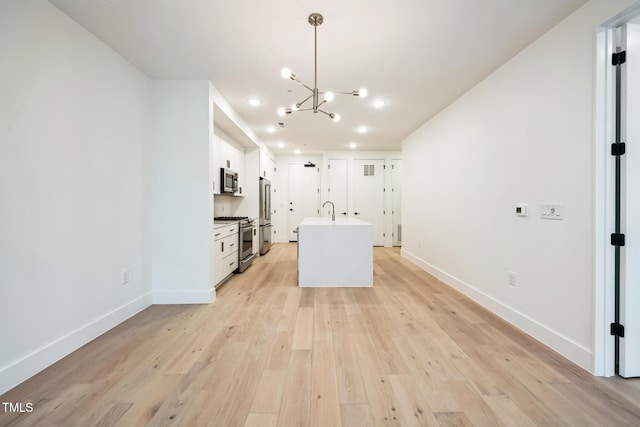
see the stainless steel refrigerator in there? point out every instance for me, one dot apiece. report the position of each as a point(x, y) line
point(265, 216)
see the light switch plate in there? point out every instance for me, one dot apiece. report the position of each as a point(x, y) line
point(552, 211)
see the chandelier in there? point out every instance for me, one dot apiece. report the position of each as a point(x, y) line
point(317, 98)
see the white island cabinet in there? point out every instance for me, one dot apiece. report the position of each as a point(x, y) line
point(335, 253)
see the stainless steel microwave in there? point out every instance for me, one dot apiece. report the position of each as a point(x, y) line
point(228, 180)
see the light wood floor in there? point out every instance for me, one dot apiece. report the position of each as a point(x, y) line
point(409, 351)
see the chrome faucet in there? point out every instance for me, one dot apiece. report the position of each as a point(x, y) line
point(333, 210)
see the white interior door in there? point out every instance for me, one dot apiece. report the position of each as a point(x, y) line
point(338, 186)
point(368, 195)
point(304, 196)
point(630, 198)
point(396, 201)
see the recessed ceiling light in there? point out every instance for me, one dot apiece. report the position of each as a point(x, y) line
point(281, 144)
point(362, 129)
point(254, 102)
point(271, 129)
point(352, 145)
point(297, 151)
point(378, 103)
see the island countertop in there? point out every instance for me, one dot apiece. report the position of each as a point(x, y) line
point(338, 221)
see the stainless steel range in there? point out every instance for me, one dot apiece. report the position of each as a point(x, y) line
point(247, 228)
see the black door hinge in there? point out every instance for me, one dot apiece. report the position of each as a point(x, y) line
point(618, 149)
point(617, 330)
point(617, 239)
point(619, 58)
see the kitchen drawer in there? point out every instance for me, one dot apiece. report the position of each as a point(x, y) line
point(230, 262)
point(227, 230)
point(224, 265)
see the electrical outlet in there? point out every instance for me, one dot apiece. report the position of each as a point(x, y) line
point(511, 278)
point(125, 277)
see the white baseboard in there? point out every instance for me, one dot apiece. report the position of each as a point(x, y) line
point(573, 351)
point(34, 362)
point(184, 297)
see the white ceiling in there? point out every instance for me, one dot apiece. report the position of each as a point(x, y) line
point(418, 55)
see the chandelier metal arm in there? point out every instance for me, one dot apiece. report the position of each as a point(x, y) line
point(298, 104)
point(295, 79)
point(328, 114)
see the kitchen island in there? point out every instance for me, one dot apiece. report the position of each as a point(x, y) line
point(335, 253)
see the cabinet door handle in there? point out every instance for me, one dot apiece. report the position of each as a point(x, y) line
point(344, 213)
point(232, 230)
point(217, 234)
point(222, 246)
point(232, 244)
point(231, 263)
point(356, 213)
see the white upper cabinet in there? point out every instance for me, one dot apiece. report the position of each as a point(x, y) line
point(267, 166)
point(227, 155)
point(238, 166)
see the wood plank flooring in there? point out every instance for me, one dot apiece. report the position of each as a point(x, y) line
point(408, 352)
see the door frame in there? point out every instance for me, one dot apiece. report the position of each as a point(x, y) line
point(604, 193)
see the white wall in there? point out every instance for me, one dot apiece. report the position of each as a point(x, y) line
point(523, 135)
point(74, 126)
point(182, 192)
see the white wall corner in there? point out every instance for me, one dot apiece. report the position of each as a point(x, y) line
point(573, 351)
point(45, 356)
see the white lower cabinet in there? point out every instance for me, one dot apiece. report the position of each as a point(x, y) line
point(225, 252)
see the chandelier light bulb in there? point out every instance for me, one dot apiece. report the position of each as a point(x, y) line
point(254, 102)
point(362, 93)
point(362, 129)
point(336, 118)
point(295, 107)
point(297, 151)
point(286, 74)
point(271, 129)
point(329, 96)
point(282, 111)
